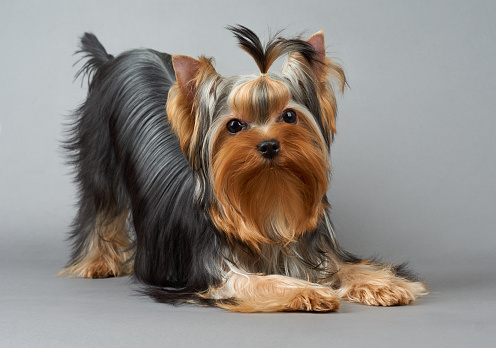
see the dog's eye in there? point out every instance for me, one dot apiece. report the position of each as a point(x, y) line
point(235, 126)
point(289, 116)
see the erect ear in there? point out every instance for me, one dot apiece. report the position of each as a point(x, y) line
point(324, 74)
point(191, 74)
point(186, 69)
point(327, 72)
point(317, 41)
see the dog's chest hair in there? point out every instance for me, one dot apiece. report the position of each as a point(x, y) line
point(278, 259)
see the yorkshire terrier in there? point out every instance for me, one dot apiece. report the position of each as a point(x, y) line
point(212, 189)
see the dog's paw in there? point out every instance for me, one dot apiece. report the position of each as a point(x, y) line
point(96, 268)
point(313, 299)
point(274, 293)
point(308, 299)
point(395, 292)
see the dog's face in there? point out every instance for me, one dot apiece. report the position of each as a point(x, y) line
point(260, 144)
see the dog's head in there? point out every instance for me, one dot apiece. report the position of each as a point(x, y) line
point(260, 143)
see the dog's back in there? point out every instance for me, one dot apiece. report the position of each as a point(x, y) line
point(121, 143)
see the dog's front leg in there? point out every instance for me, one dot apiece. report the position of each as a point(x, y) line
point(272, 293)
point(377, 285)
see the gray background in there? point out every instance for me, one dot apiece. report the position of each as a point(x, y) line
point(413, 177)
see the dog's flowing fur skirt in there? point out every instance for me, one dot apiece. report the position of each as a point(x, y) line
point(212, 190)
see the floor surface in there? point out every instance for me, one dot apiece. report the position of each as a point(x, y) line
point(37, 309)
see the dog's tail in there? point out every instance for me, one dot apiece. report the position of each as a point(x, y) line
point(95, 54)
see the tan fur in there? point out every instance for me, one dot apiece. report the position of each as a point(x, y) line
point(272, 293)
point(325, 74)
point(246, 99)
point(377, 285)
point(280, 200)
point(179, 111)
point(107, 254)
point(325, 92)
point(182, 101)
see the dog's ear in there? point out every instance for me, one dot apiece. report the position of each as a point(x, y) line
point(327, 76)
point(186, 69)
point(191, 75)
point(317, 41)
point(191, 72)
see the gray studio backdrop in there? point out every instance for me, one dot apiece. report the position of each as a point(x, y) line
point(413, 162)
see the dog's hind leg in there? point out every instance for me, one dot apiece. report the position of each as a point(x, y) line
point(102, 248)
point(101, 244)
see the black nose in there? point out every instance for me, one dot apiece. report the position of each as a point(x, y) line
point(269, 148)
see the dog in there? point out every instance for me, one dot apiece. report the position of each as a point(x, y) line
point(211, 189)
